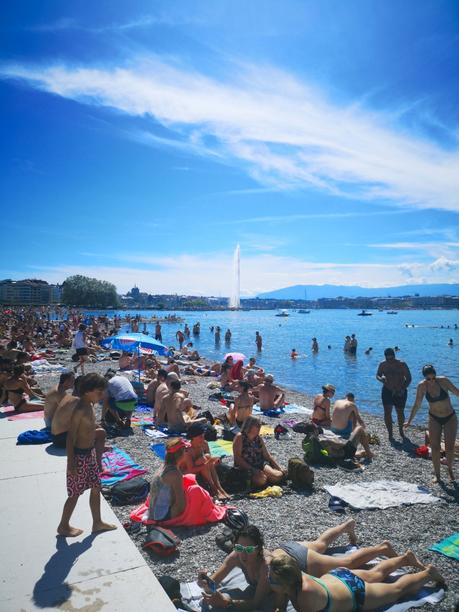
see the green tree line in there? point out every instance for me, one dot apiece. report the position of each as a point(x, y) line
point(81, 290)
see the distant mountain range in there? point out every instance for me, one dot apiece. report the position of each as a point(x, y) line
point(315, 292)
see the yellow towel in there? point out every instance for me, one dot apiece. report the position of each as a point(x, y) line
point(266, 430)
point(273, 491)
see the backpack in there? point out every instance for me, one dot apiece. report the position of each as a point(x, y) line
point(163, 542)
point(233, 479)
point(300, 474)
point(133, 491)
point(313, 450)
point(172, 587)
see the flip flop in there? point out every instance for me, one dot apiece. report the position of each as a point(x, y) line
point(337, 505)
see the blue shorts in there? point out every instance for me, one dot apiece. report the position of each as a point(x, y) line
point(344, 433)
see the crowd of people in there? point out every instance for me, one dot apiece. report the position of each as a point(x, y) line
point(296, 571)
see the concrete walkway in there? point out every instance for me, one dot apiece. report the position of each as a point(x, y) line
point(39, 570)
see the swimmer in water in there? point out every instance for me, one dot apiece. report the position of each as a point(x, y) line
point(450, 342)
point(368, 351)
point(294, 354)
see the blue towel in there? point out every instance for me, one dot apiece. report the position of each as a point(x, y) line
point(34, 436)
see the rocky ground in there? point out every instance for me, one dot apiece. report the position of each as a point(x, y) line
point(304, 516)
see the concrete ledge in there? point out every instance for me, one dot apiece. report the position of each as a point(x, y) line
point(39, 570)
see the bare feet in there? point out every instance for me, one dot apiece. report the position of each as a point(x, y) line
point(436, 479)
point(69, 532)
point(435, 574)
point(451, 475)
point(389, 550)
point(350, 528)
point(412, 560)
point(103, 527)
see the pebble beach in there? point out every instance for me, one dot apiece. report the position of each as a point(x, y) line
point(304, 515)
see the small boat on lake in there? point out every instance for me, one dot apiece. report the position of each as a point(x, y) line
point(392, 312)
point(303, 311)
point(282, 313)
point(364, 313)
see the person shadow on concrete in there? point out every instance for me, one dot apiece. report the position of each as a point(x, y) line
point(51, 589)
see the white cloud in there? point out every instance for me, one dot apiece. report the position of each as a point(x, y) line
point(283, 131)
point(211, 274)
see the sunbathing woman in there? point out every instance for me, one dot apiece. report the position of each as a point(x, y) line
point(243, 405)
point(321, 409)
point(250, 556)
point(341, 590)
point(442, 416)
point(17, 387)
point(250, 453)
point(167, 497)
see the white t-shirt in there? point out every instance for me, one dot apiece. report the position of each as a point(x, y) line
point(78, 341)
point(120, 389)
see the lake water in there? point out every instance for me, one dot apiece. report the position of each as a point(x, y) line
point(426, 342)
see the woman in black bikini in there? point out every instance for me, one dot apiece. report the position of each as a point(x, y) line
point(441, 416)
point(16, 387)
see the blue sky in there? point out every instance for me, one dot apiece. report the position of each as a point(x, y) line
point(142, 141)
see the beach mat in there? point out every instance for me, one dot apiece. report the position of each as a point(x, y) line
point(236, 586)
point(381, 494)
point(287, 409)
point(448, 547)
point(117, 465)
point(7, 412)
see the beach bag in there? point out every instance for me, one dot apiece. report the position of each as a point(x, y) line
point(210, 434)
point(206, 414)
point(172, 588)
point(129, 492)
point(307, 427)
point(229, 433)
point(300, 474)
point(233, 479)
point(163, 542)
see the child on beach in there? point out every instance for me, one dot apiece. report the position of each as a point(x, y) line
point(82, 466)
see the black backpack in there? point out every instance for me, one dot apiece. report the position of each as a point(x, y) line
point(163, 542)
point(211, 433)
point(133, 491)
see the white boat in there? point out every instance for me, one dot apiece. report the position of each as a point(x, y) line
point(303, 311)
point(282, 313)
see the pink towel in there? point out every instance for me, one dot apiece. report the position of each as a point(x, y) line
point(200, 508)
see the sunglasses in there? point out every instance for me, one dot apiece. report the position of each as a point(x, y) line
point(245, 549)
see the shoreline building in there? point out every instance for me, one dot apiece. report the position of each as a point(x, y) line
point(30, 291)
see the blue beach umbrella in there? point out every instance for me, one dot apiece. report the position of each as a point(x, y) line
point(135, 342)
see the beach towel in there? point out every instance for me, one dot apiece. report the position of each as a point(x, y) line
point(159, 449)
point(117, 465)
point(153, 433)
point(200, 508)
point(138, 420)
point(381, 494)
point(286, 409)
point(144, 408)
point(448, 547)
point(34, 436)
point(12, 416)
point(235, 585)
point(221, 448)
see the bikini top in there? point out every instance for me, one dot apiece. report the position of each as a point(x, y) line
point(442, 396)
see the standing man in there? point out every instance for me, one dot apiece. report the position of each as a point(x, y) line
point(395, 377)
point(81, 347)
point(258, 341)
point(180, 337)
point(353, 345)
point(158, 334)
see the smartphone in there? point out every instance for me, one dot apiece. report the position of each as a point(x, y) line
point(211, 586)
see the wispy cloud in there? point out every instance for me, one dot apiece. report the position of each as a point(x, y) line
point(285, 133)
point(313, 216)
point(211, 274)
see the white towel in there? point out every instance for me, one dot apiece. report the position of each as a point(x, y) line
point(381, 494)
